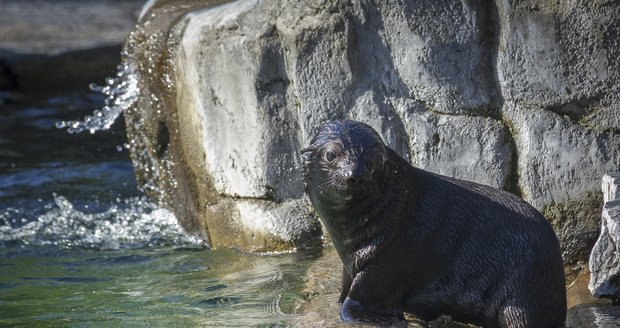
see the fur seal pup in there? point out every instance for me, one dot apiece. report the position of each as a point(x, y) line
point(418, 242)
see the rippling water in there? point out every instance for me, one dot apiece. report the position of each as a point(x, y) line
point(149, 287)
point(80, 246)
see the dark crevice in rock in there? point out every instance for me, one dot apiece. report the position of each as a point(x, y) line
point(272, 86)
point(493, 34)
point(512, 179)
point(490, 29)
point(276, 96)
point(272, 77)
point(267, 197)
point(484, 112)
point(163, 139)
point(576, 109)
point(8, 80)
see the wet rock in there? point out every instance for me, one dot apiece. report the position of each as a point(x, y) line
point(593, 316)
point(321, 307)
point(501, 93)
point(577, 291)
point(605, 258)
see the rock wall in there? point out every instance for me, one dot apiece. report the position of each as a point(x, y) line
point(521, 95)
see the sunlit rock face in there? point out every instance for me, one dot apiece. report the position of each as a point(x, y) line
point(515, 95)
point(605, 258)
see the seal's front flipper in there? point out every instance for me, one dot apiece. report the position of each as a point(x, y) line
point(346, 285)
point(353, 311)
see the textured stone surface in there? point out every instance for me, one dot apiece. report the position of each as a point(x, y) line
point(520, 95)
point(53, 27)
point(469, 147)
point(247, 116)
point(52, 44)
point(557, 164)
point(605, 256)
point(560, 56)
point(558, 68)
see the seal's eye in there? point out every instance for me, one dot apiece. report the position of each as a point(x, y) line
point(330, 156)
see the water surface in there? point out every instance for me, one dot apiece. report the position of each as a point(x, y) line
point(162, 287)
point(80, 245)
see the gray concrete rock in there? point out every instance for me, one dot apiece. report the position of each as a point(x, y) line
point(473, 148)
point(558, 164)
point(518, 95)
point(558, 71)
point(54, 27)
point(605, 256)
point(440, 52)
point(47, 44)
point(247, 115)
point(561, 56)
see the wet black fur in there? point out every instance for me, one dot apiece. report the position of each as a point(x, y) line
point(418, 242)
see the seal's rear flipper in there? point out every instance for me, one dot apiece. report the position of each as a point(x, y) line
point(353, 312)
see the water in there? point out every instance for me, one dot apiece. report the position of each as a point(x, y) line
point(121, 92)
point(160, 287)
point(80, 246)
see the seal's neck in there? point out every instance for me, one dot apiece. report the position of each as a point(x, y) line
point(358, 231)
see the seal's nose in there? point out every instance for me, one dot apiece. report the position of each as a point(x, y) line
point(357, 179)
point(357, 174)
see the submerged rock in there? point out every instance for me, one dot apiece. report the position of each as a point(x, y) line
point(605, 256)
point(498, 93)
point(593, 316)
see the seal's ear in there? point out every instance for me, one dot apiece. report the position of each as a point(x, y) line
point(306, 153)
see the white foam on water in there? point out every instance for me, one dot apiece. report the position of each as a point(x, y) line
point(121, 92)
point(132, 223)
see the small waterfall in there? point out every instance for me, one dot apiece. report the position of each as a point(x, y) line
point(130, 223)
point(121, 93)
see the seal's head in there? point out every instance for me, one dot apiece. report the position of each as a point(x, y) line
point(343, 162)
